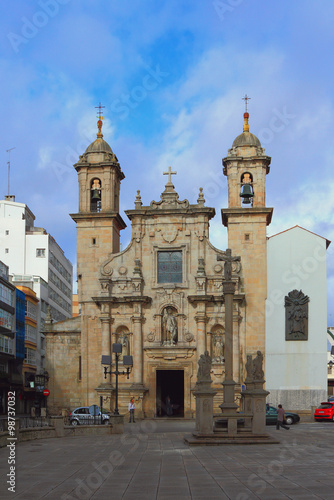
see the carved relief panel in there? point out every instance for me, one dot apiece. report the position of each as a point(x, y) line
point(296, 315)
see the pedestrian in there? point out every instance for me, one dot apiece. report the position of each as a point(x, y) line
point(132, 410)
point(280, 419)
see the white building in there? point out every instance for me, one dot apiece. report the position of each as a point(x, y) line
point(296, 356)
point(34, 256)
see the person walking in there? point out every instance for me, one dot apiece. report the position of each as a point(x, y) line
point(280, 418)
point(132, 411)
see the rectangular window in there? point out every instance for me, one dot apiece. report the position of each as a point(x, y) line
point(6, 250)
point(30, 356)
point(6, 344)
point(7, 232)
point(40, 252)
point(30, 310)
point(31, 333)
point(170, 267)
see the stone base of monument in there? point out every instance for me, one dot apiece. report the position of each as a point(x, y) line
point(220, 438)
point(204, 407)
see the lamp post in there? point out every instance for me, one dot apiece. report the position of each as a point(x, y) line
point(127, 362)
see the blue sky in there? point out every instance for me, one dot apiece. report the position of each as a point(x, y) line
point(60, 58)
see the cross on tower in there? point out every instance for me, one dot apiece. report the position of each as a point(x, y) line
point(99, 113)
point(169, 173)
point(100, 118)
point(246, 98)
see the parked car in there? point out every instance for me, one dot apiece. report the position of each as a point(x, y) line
point(87, 415)
point(325, 411)
point(271, 416)
point(331, 399)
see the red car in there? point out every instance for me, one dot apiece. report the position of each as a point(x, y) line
point(325, 411)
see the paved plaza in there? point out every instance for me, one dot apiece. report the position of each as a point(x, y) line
point(152, 461)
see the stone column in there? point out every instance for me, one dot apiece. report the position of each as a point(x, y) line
point(137, 351)
point(201, 320)
point(229, 383)
point(106, 321)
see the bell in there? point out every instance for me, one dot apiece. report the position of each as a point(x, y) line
point(96, 195)
point(246, 193)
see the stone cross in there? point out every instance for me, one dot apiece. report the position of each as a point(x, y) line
point(169, 173)
point(228, 259)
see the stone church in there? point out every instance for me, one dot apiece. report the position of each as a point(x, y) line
point(162, 297)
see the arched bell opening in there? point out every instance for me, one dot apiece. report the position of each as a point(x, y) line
point(246, 191)
point(95, 195)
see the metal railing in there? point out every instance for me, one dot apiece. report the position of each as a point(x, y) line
point(32, 422)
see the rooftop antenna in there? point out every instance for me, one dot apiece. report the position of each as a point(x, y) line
point(8, 163)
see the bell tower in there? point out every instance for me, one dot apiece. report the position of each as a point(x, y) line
point(98, 220)
point(246, 219)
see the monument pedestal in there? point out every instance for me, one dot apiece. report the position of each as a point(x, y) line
point(255, 403)
point(204, 408)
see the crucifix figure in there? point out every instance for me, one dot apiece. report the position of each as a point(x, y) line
point(169, 173)
point(228, 259)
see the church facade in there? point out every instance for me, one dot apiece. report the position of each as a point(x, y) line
point(162, 297)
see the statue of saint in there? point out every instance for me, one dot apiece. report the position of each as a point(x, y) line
point(204, 368)
point(249, 368)
point(258, 373)
point(169, 326)
point(218, 349)
point(125, 343)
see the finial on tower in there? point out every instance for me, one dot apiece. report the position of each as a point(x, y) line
point(100, 118)
point(246, 114)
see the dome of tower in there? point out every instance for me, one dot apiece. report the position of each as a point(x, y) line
point(246, 138)
point(99, 146)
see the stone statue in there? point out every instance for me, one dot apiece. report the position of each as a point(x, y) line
point(169, 326)
point(218, 349)
point(125, 343)
point(228, 259)
point(204, 368)
point(249, 368)
point(258, 373)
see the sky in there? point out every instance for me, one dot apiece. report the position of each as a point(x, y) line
point(171, 75)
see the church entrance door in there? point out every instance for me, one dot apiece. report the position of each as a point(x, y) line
point(170, 393)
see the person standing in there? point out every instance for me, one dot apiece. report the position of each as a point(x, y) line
point(280, 418)
point(132, 410)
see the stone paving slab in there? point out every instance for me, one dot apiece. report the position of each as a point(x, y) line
point(152, 461)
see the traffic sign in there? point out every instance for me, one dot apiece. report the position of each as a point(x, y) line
point(46, 392)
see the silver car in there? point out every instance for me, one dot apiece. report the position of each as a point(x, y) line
point(88, 415)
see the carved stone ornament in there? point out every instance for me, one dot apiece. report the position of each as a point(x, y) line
point(122, 270)
point(189, 337)
point(296, 315)
point(169, 234)
point(150, 337)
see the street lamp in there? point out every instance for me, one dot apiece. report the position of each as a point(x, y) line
point(127, 362)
